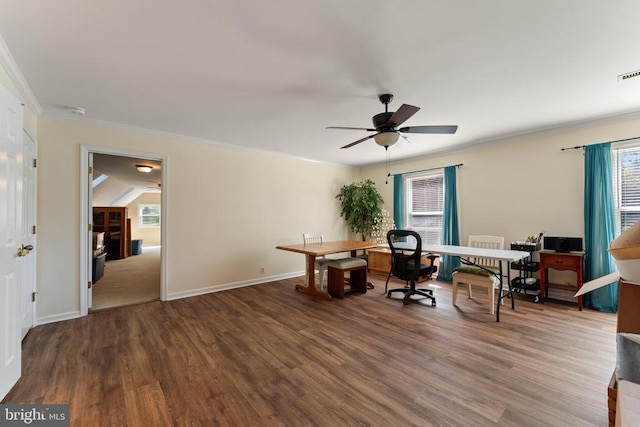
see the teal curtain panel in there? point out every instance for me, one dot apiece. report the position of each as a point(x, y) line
point(599, 225)
point(450, 227)
point(398, 201)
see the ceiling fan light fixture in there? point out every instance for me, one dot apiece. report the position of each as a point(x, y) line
point(386, 139)
point(144, 169)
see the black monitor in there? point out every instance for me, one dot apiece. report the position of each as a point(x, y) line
point(563, 244)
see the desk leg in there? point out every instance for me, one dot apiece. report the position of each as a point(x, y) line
point(543, 283)
point(579, 285)
point(510, 293)
point(311, 280)
point(499, 303)
point(501, 293)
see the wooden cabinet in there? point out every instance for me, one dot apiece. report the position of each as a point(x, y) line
point(379, 260)
point(116, 225)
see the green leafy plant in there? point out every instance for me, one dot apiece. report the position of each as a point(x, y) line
point(360, 206)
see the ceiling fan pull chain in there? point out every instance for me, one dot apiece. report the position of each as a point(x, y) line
point(388, 164)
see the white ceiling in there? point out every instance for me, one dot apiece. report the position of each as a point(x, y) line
point(271, 75)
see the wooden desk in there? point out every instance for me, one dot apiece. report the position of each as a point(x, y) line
point(562, 261)
point(314, 250)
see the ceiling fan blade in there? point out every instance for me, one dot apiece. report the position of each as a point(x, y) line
point(402, 142)
point(350, 128)
point(429, 129)
point(359, 141)
point(403, 114)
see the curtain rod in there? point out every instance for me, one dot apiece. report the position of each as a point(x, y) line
point(426, 170)
point(577, 147)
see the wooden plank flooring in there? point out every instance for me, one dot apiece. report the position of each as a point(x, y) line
point(268, 355)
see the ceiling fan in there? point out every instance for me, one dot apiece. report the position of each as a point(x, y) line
point(386, 125)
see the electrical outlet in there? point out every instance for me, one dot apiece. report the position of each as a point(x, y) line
point(261, 270)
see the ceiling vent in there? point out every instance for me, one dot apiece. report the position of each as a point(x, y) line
point(629, 75)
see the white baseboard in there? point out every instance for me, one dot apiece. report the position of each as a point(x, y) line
point(233, 285)
point(178, 295)
point(57, 318)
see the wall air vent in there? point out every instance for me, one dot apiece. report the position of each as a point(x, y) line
point(629, 75)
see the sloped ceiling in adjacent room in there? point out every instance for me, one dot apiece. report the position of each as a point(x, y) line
point(117, 181)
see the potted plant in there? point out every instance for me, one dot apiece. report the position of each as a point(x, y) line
point(360, 206)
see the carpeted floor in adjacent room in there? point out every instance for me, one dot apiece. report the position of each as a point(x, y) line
point(131, 280)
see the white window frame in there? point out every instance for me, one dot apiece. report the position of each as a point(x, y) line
point(409, 213)
point(141, 206)
point(619, 149)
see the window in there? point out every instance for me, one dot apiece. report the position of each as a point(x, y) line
point(626, 177)
point(425, 205)
point(148, 215)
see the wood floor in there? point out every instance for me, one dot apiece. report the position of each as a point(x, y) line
point(268, 355)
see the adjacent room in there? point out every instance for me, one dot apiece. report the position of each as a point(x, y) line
point(126, 240)
point(186, 237)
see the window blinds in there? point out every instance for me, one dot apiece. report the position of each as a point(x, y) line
point(426, 205)
point(626, 178)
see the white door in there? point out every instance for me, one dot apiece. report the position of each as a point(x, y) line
point(28, 232)
point(10, 239)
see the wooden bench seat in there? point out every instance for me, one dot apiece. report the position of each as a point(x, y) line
point(357, 268)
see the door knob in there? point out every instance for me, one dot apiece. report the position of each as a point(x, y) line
point(24, 250)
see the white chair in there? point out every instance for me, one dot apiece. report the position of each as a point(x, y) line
point(476, 276)
point(321, 262)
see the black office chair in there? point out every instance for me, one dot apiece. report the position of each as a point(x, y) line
point(405, 256)
point(426, 271)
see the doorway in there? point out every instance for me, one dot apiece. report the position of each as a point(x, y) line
point(124, 198)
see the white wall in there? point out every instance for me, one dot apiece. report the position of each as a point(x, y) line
point(226, 211)
point(517, 188)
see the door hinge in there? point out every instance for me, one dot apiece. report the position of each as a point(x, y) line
point(89, 285)
point(90, 169)
point(33, 229)
point(33, 296)
point(90, 227)
point(35, 163)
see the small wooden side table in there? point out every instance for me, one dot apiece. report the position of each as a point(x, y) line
point(571, 261)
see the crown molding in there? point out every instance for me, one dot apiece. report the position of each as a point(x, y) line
point(161, 134)
point(6, 59)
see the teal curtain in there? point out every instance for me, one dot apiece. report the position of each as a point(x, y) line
point(398, 201)
point(599, 225)
point(450, 228)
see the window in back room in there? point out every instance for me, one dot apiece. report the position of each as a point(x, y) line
point(148, 215)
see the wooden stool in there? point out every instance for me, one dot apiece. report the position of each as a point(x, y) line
point(357, 268)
